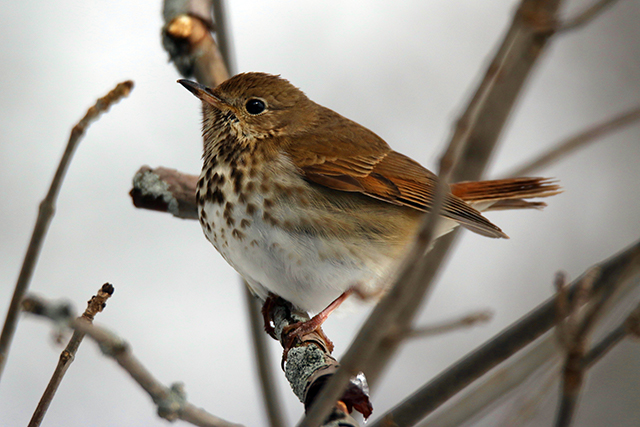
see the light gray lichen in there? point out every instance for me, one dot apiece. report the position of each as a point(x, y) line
point(302, 362)
point(150, 184)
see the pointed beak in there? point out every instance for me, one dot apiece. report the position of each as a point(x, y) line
point(201, 92)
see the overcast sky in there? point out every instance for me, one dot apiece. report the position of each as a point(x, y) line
point(403, 69)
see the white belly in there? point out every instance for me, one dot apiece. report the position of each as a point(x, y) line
point(299, 267)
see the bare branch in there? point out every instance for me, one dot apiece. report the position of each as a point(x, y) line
point(582, 139)
point(171, 401)
point(467, 321)
point(628, 327)
point(309, 364)
point(47, 211)
point(616, 272)
point(264, 363)
point(187, 37)
point(95, 305)
point(584, 18)
point(223, 34)
point(575, 337)
point(165, 190)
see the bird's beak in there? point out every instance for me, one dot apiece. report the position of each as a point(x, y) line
point(202, 92)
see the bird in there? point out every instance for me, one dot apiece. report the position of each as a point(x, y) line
point(310, 206)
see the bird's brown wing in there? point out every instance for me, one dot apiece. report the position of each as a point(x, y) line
point(372, 168)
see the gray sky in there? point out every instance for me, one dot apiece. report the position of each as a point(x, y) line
point(403, 69)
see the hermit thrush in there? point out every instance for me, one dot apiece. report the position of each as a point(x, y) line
point(306, 204)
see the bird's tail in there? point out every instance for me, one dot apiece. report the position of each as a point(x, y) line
point(503, 194)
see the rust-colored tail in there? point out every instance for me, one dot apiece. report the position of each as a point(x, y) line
point(502, 194)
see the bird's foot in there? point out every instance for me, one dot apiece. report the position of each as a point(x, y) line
point(296, 331)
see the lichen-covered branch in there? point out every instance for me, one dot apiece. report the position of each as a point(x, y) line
point(165, 190)
point(309, 365)
point(171, 401)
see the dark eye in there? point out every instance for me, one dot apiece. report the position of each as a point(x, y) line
point(255, 106)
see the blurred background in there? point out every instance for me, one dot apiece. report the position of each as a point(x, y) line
point(403, 69)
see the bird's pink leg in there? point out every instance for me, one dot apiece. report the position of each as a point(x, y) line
point(300, 329)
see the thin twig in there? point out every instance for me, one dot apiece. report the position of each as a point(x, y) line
point(615, 272)
point(582, 139)
point(171, 401)
point(586, 16)
point(95, 305)
point(464, 322)
point(599, 350)
point(576, 332)
point(46, 212)
point(263, 362)
point(482, 393)
point(223, 35)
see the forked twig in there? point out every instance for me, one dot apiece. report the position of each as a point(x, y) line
point(95, 305)
point(46, 212)
point(580, 140)
point(615, 272)
point(574, 328)
point(171, 401)
point(586, 16)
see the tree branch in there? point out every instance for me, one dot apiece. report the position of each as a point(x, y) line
point(165, 190)
point(171, 401)
point(309, 365)
point(187, 37)
point(615, 272)
point(95, 305)
point(47, 211)
point(467, 321)
point(586, 16)
point(580, 140)
point(263, 362)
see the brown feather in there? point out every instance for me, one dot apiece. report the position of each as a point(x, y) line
point(509, 204)
point(504, 189)
point(369, 166)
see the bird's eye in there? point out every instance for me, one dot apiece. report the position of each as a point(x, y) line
point(255, 106)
